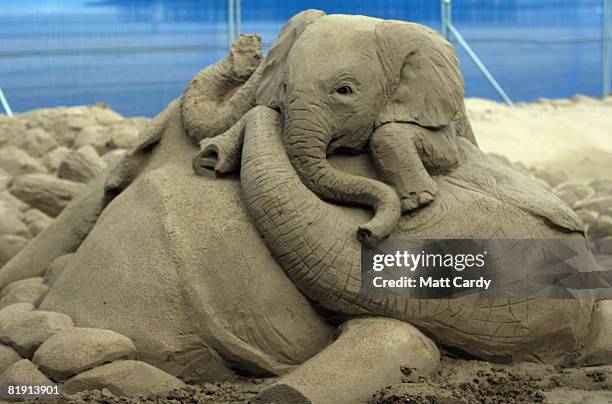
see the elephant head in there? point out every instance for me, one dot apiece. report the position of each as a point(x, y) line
point(336, 79)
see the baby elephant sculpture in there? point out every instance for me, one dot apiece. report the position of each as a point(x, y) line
point(346, 83)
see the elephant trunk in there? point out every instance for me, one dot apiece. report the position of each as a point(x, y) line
point(306, 143)
point(302, 231)
point(219, 95)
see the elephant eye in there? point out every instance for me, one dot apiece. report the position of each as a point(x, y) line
point(344, 90)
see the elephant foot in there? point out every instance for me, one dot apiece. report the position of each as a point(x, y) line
point(369, 354)
point(416, 200)
point(598, 350)
point(426, 190)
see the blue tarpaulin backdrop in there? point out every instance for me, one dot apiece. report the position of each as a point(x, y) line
point(137, 55)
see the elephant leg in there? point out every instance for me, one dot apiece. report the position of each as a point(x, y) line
point(598, 349)
point(221, 154)
point(393, 149)
point(369, 354)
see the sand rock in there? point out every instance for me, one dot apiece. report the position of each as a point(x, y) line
point(96, 136)
point(10, 286)
point(8, 356)
point(38, 142)
point(12, 129)
point(24, 372)
point(54, 158)
point(56, 268)
point(63, 123)
point(80, 121)
point(78, 349)
point(112, 156)
point(599, 346)
point(11, 220)
point(16, 162)
point(598, 204)
point(124, 378)
point(81, 165)
point(10, 245)
point(5, 179)
point(588, 216)
point(10, 200)
point(25, 293)
point(568, 197)
point(553, 176)
point(36, 221)
point(105, 116)
point(11, 312)
point(602, 184)
point(601, 228)
point(45, 192)
point(27, 331)
point(123, 135)
point(579, 188)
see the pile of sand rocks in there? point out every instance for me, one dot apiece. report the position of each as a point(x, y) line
point(46, 157)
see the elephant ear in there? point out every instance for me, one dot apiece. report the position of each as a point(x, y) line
point(423, 69)
point(270, 90)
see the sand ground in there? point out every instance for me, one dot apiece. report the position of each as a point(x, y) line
point(572, 134)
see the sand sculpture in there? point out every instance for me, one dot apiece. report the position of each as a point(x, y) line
point(252, 267)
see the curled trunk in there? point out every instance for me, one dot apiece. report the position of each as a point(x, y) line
point(314, 243)
point(307, 145)
point(223, 92)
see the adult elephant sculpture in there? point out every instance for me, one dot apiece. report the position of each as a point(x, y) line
point(175, 263)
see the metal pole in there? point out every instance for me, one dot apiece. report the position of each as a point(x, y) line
point(606, 54)
point(5, 104)
point(445, 16)
point(238, 18)
point(480, 65)
point(449, 31)
point(230, 23)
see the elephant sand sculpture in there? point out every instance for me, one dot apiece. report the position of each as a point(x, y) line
point(258, 271)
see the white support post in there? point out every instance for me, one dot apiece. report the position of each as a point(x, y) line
point(449, 31)
point(606, 51)
point(233, 21)
point(230, 22)
point(5, 104)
